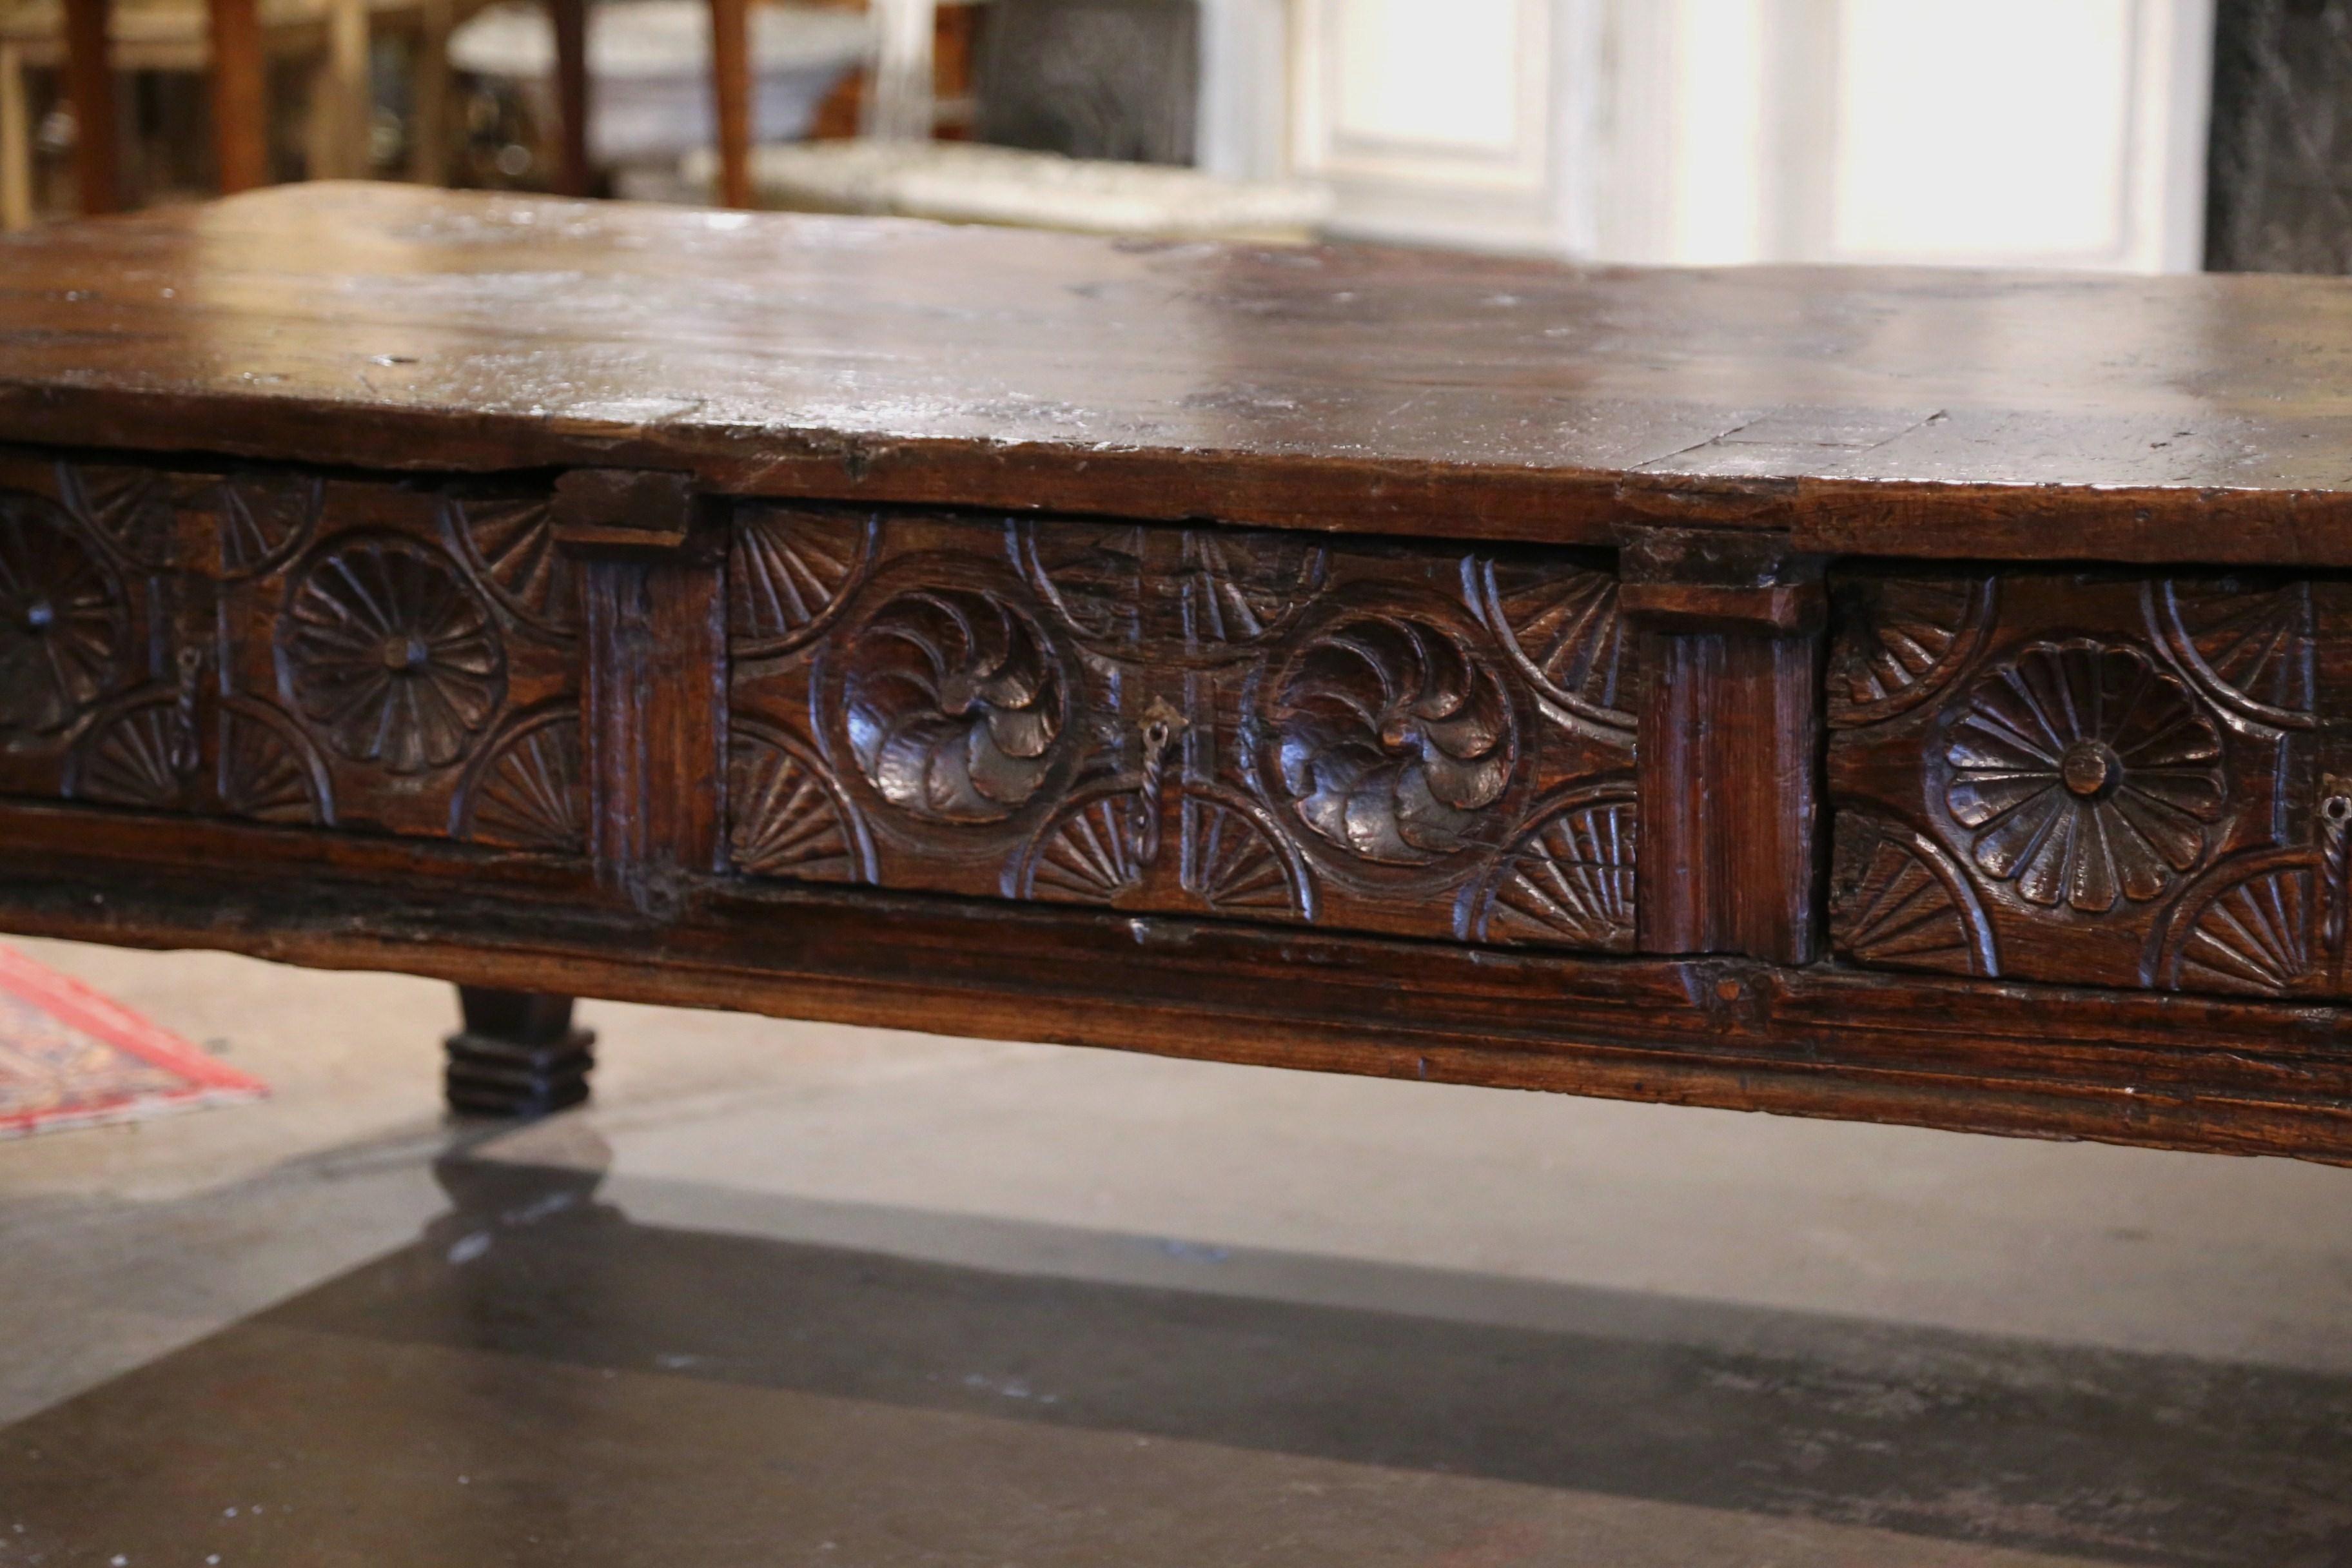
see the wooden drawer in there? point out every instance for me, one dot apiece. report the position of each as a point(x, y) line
point(1271, 727)
point(2101, 778)
point(291, 648)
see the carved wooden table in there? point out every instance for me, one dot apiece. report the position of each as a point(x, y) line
point(1915, 696)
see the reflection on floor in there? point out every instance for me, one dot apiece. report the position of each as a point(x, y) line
point(649, 1335)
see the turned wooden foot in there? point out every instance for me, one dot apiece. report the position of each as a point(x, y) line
point(516, 1055)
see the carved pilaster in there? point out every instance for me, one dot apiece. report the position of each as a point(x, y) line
point(1729, 638)
point(653, 708)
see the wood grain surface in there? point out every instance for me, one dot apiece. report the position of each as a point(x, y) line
point(1910, 413)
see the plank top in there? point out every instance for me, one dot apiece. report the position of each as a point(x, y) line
point(1891, 411)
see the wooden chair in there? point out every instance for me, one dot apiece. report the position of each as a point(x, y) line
point(329, 42)
point(240, 117)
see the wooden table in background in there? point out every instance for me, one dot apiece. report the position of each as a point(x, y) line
point(1916, 696)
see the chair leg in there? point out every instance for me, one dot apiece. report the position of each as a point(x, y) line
point(240, 88)
point(518, 1055)
point(431, 96)
point(571, 18)
point(15, 142)
point(351, 93)
point(90, 83)
point(730, 72)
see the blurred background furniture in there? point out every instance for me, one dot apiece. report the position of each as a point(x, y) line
point(1091, 79)
point(967, 182)
point(92, 39)
point(2280, 179)
point(649, 71)
point(1083, 120)
point(2009, 131)
point(321, 49)
point(237, 43)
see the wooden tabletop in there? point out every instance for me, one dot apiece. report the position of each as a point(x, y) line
point(1893, 411)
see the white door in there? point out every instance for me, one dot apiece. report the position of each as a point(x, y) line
point(2061, 132)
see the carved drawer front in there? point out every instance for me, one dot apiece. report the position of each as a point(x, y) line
point(289, 647)
point(2105, 779)
point(1265, 726)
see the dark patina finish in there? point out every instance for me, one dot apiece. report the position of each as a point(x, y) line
point(1911, 695)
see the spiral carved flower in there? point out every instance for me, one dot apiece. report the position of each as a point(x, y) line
point(2088, 774)
point(953, 701)
point(391, 655)
point(61, 634)
point(1389, 738)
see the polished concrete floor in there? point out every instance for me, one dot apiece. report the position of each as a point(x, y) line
point(792, 1295)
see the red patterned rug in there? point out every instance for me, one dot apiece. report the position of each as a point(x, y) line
point(69, 1057)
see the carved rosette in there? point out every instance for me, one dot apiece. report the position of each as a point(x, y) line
point(1898, 641)
point(786, 815)
point(63, 635)
point(1187, 596)
point(1567, 882)
point(788, 570)
point(388, 652)
point(2086, 775)
point(1559, 622)
point(1389, 737)
point(1896, 901)
point(527, 790)
point(510, 543)
point(954, 702)
point(2248, 642)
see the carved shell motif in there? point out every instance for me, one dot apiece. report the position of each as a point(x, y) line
point(1900, 639)
point(2088, 773)
point(136, 757)
point(391, 654)
point(252, 520)
point(787, 569)
point(61, 619)
point(1193, 595)
point(1898, 902)
point(1094, 851)
point(528, 789)
point(511, 542)
point(1560, 623)
point(1389, 738)
point(2249, 641)
point(267, 771)
point(785, 814)
point(1234, 865)
point(953, 700)
point(1567, 882)
point(2252, 927)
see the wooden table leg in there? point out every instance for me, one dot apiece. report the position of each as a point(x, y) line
point(516, 1055)
point(240, 95)
point(730, 72)
point(571, 18)
point(90, 83)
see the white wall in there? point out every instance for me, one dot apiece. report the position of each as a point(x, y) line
point(2066, 132)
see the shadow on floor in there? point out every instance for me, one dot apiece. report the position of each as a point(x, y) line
point(538, 1379)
